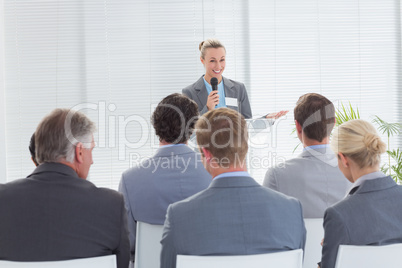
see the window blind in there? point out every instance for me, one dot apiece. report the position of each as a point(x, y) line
point(115, 60)
point(348, 51)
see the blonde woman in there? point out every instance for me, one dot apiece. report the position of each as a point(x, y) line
point(370, 213)
point(229, 93)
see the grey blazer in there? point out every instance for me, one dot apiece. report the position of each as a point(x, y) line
point(172, 174)
point(371, 215)
point(234, 216)
point(233, 89)
point(313, 178)
point(55, 215)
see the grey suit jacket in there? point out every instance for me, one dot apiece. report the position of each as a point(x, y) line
point(55, 215)
point(313, 178)
point(370, 216)
point(234, 216)
point(233, 89)
point(172, 174)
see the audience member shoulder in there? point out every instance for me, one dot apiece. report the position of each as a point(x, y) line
point(280, 196)
point(7, 187)
point(142, 166)
point(194, 198)
point(113, 194)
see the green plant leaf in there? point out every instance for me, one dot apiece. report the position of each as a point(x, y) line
point(384, 169)
point(297, 146)
point(346, 113)
point(387, 128)
point(396, 155)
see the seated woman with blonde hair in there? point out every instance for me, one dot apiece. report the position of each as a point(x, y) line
point(370, 213)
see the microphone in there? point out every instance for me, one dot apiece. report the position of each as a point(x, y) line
point(214, 83)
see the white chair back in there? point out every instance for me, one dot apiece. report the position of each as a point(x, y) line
point(313, 248)
point(95, 262)
point(369, 256)
point(147, 245)
point(285, 259)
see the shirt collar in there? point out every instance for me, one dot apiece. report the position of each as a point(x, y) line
point(318, 146)
point(367, 177)
point(233, 174)
point(171, 145)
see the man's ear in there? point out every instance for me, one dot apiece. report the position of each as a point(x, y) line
point(79, 152)
point(299, 127)
point(344, 159)
point(207, 154)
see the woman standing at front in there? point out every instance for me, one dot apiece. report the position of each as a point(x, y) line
point(230, 93)
point(371, 213)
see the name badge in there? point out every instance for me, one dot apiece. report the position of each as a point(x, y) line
point(231, 102)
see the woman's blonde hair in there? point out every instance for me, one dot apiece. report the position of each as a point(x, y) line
point(209, 43)
point(359, 140)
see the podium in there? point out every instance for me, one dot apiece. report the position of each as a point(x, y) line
point(261, 147)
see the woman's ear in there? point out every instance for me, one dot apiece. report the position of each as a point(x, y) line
point(344, 159)
point(202, 61)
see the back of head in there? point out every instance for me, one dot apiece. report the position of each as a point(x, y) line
point(223, 132)
point(359, 140)
point(316, 115)
point(209, 43)
point(174, 118)
point(59, 132)
point(32, 149)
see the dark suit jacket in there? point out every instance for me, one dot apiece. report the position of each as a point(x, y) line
point(233, 89)
point(55, 215)
point(234, 216)
point(370, 216)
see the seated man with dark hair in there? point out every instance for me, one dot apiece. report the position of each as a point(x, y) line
point(313, 177)
point(56, 214)
point(235, 215)
point(174, 173)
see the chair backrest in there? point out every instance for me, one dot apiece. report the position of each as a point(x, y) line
point(95, 262)
point(284, 259)
point(147, 245)
point(369, 256)
point(313, 248)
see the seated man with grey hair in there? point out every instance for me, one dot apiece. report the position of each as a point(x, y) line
point(55, 213)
